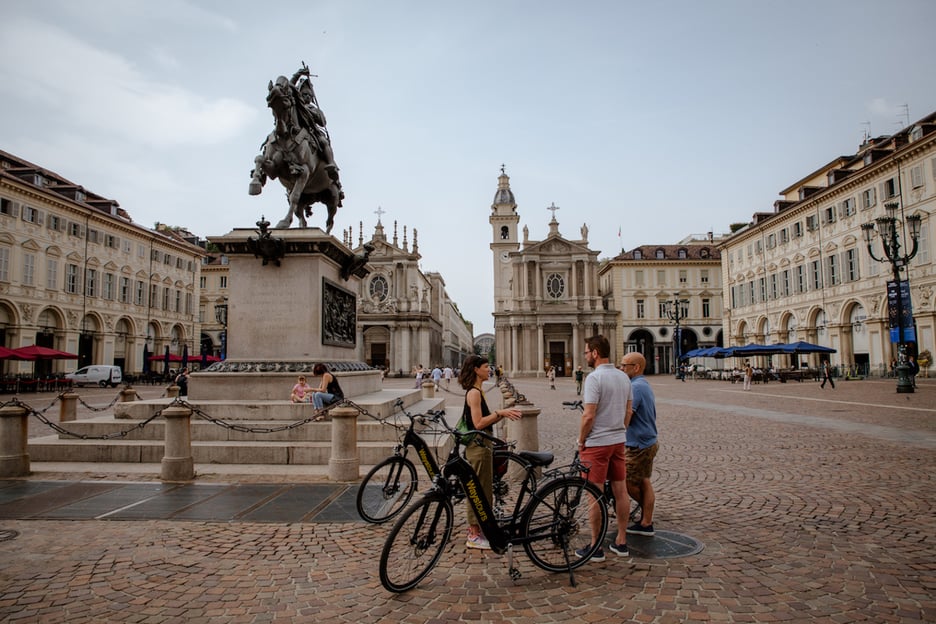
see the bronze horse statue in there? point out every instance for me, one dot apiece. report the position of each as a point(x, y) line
point(297, 153)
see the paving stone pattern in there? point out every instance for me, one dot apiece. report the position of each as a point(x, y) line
point(813, 506)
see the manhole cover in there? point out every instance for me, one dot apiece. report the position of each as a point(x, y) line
point(7, 534)
point(664, 545)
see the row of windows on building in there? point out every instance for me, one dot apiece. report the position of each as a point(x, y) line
point(889, 189)
point(812, 276)
point(203, 281)
point(108, 286)
point(682, 253)
point(663, 308)
point(95, 237)
point(661, 278)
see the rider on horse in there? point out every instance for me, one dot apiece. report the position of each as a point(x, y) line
point(312, 119)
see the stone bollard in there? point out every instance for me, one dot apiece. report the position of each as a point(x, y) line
point(428, 390)
point(172, 391)
point(14, 432)
point(128, 394)
point(177, 462)
point(344, 463)
point(68, 409)
point(526, 430)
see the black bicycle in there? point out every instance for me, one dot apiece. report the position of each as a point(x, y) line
point(552, 521)
point(635, 514)
point(390, 485)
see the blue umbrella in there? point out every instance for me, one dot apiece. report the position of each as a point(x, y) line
point(804, 347)
point(757, 349)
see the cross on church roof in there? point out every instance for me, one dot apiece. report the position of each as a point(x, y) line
point(554, 208)
point(379, 212)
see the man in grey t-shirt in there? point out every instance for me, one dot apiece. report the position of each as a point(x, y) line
point(602, 435)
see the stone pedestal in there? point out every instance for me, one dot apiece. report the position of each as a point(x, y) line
point(128, 395)
point(526, 430)
point(14, 431)
point(68, 408)
point(344, 464)
point(285, 315)
point(177, 462)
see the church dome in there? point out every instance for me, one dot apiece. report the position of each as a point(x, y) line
point(504, 195)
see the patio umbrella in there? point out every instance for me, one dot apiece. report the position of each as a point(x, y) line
point(805, 347)
point(166, 361)
point(146, 355)
point(162, 358)
point(185, 355)
point(10, 354)
point(35, 352)
point(756, 349)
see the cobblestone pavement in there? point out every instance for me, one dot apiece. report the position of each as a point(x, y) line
point(813, 506)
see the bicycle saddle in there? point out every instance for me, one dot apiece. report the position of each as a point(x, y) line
point(537, 458)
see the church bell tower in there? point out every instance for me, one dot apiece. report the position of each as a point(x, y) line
point(504, 242)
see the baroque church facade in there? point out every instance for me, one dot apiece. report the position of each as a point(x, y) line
point(546, 293)
point(405, 316)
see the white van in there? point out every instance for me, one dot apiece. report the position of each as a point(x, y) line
point(97, 374)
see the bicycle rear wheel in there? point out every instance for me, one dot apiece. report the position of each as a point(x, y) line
point(509, 473)
point(387, 489)
point(556, 524)
point(416, 542)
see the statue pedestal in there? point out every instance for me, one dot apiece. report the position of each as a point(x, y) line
point(292, 303)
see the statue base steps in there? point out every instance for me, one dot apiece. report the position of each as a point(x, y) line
point(309, 444)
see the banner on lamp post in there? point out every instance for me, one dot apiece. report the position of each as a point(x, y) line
point(905, 319)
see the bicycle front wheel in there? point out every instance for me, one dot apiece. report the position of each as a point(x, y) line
point(557, 524)
point(509, 473)
point(416, 542)
point(387, 489)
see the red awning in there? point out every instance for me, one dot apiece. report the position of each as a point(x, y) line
point(35, 352)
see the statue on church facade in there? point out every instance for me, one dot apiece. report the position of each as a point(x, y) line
point(298, 151)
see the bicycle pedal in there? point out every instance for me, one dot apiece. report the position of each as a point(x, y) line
point(515, 574)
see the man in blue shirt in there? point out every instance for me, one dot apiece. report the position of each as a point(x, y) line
point(642, 443)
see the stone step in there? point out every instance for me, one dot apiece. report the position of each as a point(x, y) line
point(52, 449)
point(376, 405)
point(258, 430)
point(379, 429)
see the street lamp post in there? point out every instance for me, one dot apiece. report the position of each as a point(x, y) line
point(890, 241)
point(676, 311)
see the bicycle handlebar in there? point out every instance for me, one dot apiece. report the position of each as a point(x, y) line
point(572, 404)
point(433, 416)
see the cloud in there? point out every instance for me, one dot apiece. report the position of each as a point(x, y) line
point(87, 86)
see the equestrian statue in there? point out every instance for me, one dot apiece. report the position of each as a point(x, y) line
point(298, 151)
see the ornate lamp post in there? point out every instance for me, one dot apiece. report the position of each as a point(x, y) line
point(676, 311)
point(896, 290)
point(221, 315)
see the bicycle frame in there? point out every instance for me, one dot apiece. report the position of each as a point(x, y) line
point(457, 467)
point(411, 438)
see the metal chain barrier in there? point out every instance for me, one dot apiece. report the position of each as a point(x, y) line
point(62, 431)
point(99, 409)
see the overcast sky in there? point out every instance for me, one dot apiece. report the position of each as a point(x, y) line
point(660, 118)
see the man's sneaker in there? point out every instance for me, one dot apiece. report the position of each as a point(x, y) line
point(478, 541)
point(598, 555)
point(639, 529)
point(619, 549)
